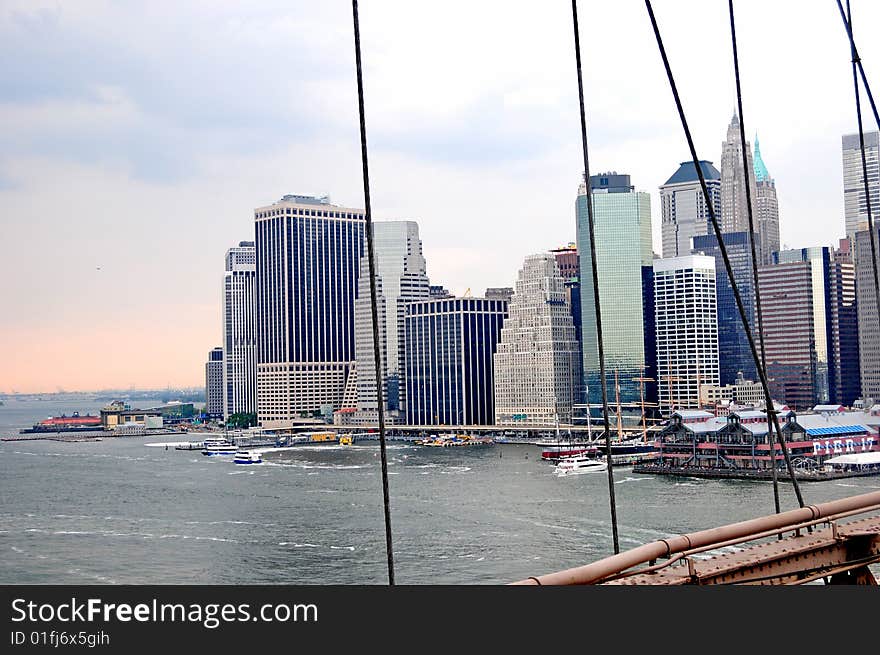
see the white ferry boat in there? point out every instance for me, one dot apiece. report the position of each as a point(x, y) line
point(248, 457)
point(214, 446)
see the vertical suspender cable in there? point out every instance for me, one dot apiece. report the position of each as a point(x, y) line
point(768, 401)
point(855, 62)
point(858, 61)
point(577, 52)
point(723, 248)
point(371, 257)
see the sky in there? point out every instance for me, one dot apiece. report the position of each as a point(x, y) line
point(137, 138)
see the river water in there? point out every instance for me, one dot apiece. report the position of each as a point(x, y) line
point(119, 511)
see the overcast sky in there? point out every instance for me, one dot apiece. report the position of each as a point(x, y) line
point(136, 139)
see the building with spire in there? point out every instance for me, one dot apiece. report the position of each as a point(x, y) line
point(734, 210)
point(683, 209)
point(766, 209)
point(537, 366)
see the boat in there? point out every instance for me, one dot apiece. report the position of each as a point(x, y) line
point(214, 446)
point(577, 465)
point(454, 440)
point(248, 457)
point(346, 440)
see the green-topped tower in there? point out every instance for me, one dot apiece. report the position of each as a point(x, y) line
point(766, 208)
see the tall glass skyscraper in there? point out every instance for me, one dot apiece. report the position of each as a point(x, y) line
point(401, 278)
point(308, 254)
point(733, 345)
point(844, 379)
point(624, 258)
point(855, 205)
point(449, 372)
point(239, 335)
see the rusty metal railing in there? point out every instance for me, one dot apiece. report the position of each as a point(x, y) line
point(676, 548)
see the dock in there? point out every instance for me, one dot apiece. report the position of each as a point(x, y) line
point(748, 474)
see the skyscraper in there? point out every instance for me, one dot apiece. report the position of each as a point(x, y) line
point(449, 348)
point(214, 382)
point(687, 330)
point(683, 210)
point(794, 303)
point(624, 259)
point(734, 210)
point(401, 278)
point(869, 320)
point(766, 209)
point(855, 205)
point(818, 260)
point(536, 364)
point(844, 381)
point(568, 261)
point(239, 334)
point(308, 254)
point(733, 346)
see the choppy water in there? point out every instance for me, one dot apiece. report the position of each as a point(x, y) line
point(116, 511)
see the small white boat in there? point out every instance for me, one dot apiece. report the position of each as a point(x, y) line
point(248, 457)
point(576, 465)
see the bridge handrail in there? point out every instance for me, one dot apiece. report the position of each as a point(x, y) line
point(705, 539)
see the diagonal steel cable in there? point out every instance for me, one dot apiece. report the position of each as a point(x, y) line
point(371, 257)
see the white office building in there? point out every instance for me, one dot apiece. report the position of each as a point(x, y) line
point(401, 278)
point(686, 323)
point(239, 334)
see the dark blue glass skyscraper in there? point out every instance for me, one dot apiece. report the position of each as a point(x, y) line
point(449, 348)
point(308, 253)
point(734, 353)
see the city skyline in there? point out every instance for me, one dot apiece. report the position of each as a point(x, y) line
point(151, 190)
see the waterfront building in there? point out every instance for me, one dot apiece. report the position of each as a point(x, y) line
point(683, 210)
point(449, 348)
point(214, 383)
point(740, 441)
point(868, 318)
point(536, 364)
point(844, 381)
point(239, 333)
point(734, 209)
point(567, 260)
point(686, 330)
point(855, 205)
point(401, 278)
point(569, 268)
point(766, 209)
point(733, 346)
point(794, 338)
point(308, 254)
point(624, 259)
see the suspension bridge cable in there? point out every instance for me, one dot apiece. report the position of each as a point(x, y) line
point(594, 268)
point(722, 247)
point(768, 401)
point(858, 60)
point(371, 257)
point(855, 61)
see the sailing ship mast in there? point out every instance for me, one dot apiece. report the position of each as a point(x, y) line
point(617, 397)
